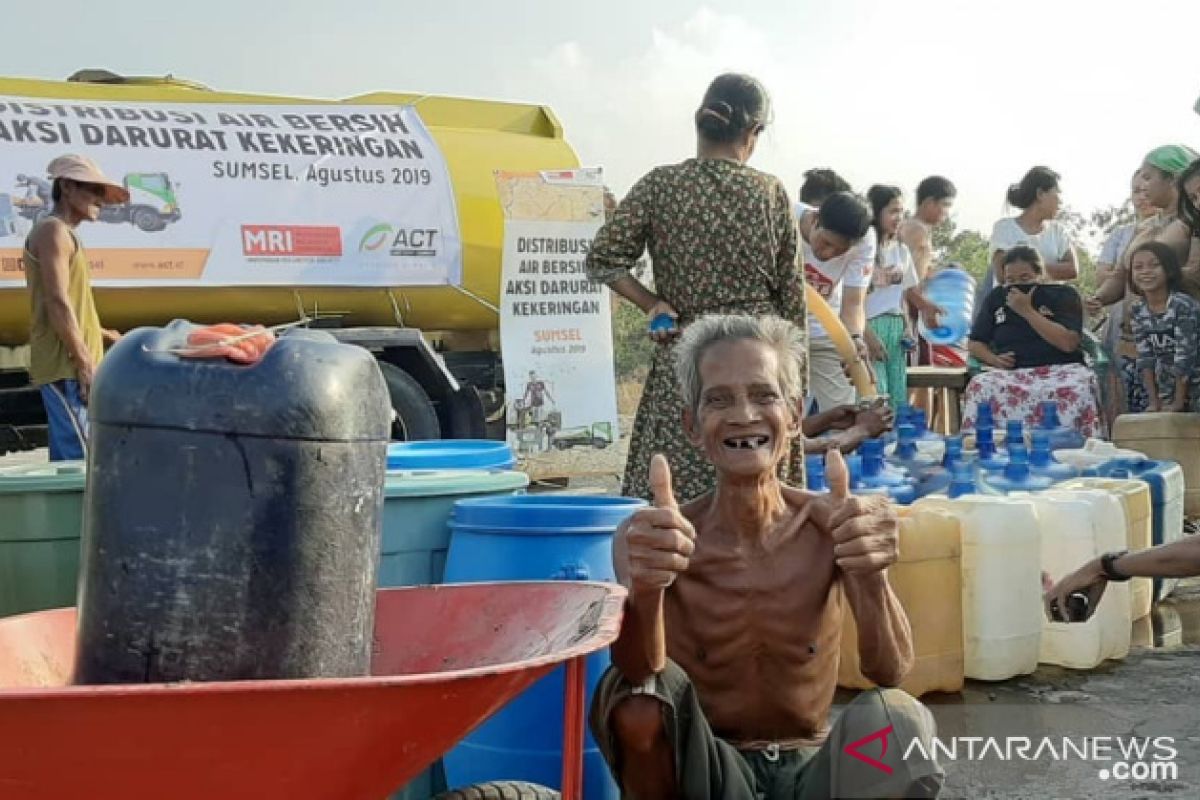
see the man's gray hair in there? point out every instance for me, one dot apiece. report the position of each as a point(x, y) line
point(786, 339)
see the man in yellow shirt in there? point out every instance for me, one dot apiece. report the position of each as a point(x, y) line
point(66, 341)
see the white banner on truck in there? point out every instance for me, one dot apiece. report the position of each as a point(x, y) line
point(555, 324)
point(240, 195)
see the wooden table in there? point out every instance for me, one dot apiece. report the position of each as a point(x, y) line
point(945, 385)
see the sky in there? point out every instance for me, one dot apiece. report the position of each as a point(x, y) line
point(883, 92)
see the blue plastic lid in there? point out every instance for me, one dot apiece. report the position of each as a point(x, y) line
point(439, 483)
point(544, 514)
point(870, 448)
point(450, 454)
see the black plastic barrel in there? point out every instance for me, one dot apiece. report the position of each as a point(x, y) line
point(233, 513)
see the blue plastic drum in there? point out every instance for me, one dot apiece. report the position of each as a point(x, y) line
point(539, 537)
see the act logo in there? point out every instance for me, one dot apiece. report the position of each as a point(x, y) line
point(375, 238)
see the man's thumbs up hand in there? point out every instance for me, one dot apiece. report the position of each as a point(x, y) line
point(660, 483)
point(658, 540)
point(865, 530)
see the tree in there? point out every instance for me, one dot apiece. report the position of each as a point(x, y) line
point(967, 248)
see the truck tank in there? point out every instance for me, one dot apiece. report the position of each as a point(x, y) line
point(476, 138)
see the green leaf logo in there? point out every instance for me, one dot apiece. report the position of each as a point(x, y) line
point(375, 238)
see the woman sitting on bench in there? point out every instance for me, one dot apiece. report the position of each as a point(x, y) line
point(1027, 335)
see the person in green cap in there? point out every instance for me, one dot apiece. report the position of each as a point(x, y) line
point(1159, 173)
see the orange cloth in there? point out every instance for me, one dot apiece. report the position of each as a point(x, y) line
point(241, 345)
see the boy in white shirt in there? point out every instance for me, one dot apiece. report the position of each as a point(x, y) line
point(839, 253)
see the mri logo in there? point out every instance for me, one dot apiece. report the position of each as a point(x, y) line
point(375, 238)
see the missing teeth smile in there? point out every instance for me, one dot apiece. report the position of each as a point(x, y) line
point(746, 442)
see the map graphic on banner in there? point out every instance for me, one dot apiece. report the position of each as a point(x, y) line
point(240, 195)
point(555, 323)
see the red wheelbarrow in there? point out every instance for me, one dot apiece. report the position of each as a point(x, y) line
point(446, 657)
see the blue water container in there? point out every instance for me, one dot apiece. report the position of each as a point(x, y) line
point(903, 416)
point(990, 459)
point(416, 518)
point(920, 422)
point(450, 454)
point(877, 474)
point(1061, 437)
point(533, 537)
point(983, 415)
point(908, 458)
point(962, 480)
point(938, 478)
point(814, 473)
point(1016, 476)
point(953, 290)
point(1014, 434)
point(876, 470)
point(1041, 460)
point(1166, 482)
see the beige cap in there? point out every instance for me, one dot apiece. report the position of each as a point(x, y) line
point(83, 170)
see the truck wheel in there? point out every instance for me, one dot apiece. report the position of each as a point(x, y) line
point(501, 790)
point(416, 417)
point(146, 219)
point(599, 442)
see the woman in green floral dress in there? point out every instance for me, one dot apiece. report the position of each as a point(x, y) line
point(722, 239)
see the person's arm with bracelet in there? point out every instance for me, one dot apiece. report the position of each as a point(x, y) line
point(618, 246)
point(1179, 559)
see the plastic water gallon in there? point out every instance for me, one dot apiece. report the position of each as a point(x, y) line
point(988, 456)
point(927, 580)
point(908, 457)
point(1014, 434)
point(1166, 501)
point(1041, 462)
point(1001, 583)
point(953, 290)
point(1166, 437)
point(877, 474)
point(1135, 499)
point(1016, 476)
point(1094, 453)
point(920, 422)
point(962, 480)
point(983, 415)
point(1077, 526)
point(1061, 437)
point(814, 474)
point(938, 478)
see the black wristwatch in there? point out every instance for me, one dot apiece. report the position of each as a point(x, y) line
point(1110, 571)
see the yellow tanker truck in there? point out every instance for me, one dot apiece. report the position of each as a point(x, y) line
point(376, 216)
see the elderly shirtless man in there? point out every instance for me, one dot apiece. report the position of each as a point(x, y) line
point(726, 665)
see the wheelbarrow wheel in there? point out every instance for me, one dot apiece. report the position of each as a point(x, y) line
point(501, 790)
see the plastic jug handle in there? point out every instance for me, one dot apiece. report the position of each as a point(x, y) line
point(573, 571)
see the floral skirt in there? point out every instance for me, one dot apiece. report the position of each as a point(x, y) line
point(1019, 393)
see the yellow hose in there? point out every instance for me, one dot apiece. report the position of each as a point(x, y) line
point(860, 376)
